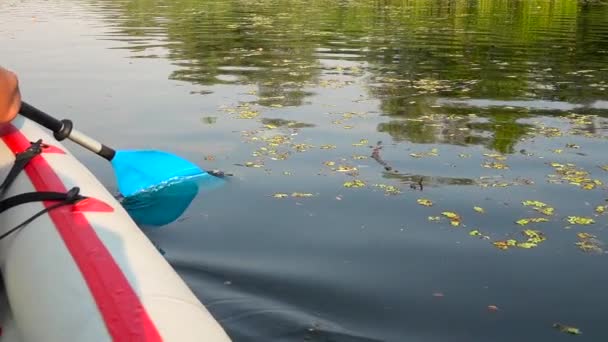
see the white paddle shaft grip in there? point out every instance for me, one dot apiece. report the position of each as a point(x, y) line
point(85, 141)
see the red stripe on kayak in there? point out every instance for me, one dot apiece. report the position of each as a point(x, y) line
point(124, 315)
point(90, 204)
point(52, 149)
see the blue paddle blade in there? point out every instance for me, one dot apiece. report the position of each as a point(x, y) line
point(139, 170)
point(161, 205)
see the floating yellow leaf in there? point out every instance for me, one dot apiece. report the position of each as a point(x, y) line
point(252, 164)
point(580, 220)
point(479, 210)
point(388, 189)
point(495, 165)
point(301, 194)
point(495, 156)
point(248, 114)
point(525, 221)
point(557, 150)
point(361, 142)
point(302, 147)
point(475, 233)
point(604, 167)
point(279, 195)
point(600, 209)
point(582, 235)
point(546, 210)
point(425, 202)
point(346, 168)
point(534, 203)
point(567, 329)
point(327, 147)
point(329, 163)
point(451, 215)
point(358, 157)
point(454, 218)
point(434, 218)
point(534, 236)
point(354, 184)
point(589, 244)
point(526, 245)
point(505, 244)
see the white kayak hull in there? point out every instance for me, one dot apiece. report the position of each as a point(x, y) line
point(85, 272)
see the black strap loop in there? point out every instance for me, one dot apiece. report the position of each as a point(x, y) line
point(29, 197)
point(21, 160)
point(70, 197)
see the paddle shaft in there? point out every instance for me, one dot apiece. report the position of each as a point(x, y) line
point(65, 129)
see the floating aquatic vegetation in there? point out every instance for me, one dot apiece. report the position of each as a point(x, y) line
point(346, 168)
point(589, 243)
point(432, 153)
point(302, 147)
point(359, 157)
point(454, 218)
point(301, 194)
point(329, 163)
point(525, 221)
point(248, 114)
point(277, 140)
point(604, 167)
point(209, 120)
point(567, 329)
point(272, 123)
point(280, 195)
point(540, 207)
point(478, 234)
point(600, 209)
point(549, 132)
point(356, 183)
point(425, 202)
point(580, 220)
point(495, 156)
point(505, 244)
point(361, 142)
point(533, 238)
point(479, 210)
point(434, 218)
point(571, 174)
point(254, 164)
point(495, 165)
point(464, 155)
point(389, 189)
point(327, 147)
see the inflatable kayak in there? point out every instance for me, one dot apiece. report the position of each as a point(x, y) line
point(75, 267)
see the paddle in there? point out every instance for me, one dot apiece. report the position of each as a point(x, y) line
point(135, 170)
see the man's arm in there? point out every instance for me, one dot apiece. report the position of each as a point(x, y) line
point(10, 97)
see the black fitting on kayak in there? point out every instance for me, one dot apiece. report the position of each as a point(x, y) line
point(71, 197)
point(65, 131)
point(21, 160)
point(107, 152)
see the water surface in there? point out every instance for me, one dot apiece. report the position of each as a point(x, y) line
point(484, 103)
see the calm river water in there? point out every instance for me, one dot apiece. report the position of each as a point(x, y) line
point(384, 154)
